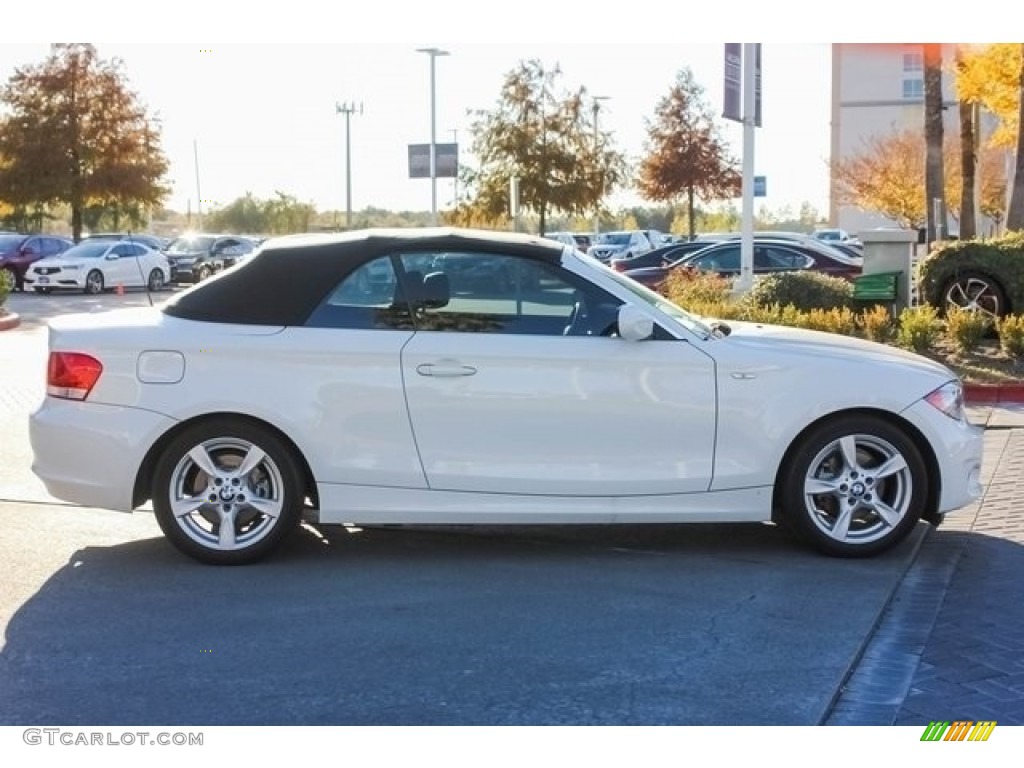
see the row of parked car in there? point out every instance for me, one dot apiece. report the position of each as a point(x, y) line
point(720, 253)
point(45, 263)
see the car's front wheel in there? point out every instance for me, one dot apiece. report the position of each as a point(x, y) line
point(853, 486)
point(203, 273)
point(227, 491)
point(94, 282)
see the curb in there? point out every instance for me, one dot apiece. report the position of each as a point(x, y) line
point(9, 321)
point(993, 394)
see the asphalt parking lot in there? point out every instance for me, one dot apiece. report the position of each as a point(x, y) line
point(104, 623)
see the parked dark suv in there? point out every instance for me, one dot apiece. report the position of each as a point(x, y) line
point(18, 252)
point(193, 258)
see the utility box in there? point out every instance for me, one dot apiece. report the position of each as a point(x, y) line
point(893, 250)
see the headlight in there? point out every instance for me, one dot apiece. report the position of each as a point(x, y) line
point(949, 398)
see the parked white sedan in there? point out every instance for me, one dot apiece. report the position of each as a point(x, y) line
point(93, 266)
point(561, 393)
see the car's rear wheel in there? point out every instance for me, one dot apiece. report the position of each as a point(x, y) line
point(976, 292)
point(156, 281)
point(854, 486)
point(227, 491)
point(94, 282)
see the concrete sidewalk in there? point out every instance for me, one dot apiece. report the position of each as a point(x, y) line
point(950, 644)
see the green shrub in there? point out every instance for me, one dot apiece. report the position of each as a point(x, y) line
point(876, 324)
point(1011, 336)
point(919, 329)
point(6, 284)
point(688, 288)
point(999, 261)
point(965, 328)
point(804, 290)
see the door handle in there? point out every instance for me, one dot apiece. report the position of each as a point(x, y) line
point(445, 370)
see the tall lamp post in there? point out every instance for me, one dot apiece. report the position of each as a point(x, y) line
point(348, 109)
point(455, 181)
point(433, 53)
point(597, 145)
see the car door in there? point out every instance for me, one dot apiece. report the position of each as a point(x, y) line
point(519, 388)
point(119, 268)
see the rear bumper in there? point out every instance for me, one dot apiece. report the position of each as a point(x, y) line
point(88, 453)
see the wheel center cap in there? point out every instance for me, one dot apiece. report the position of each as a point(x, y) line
point(857, 489)
point(227, 493)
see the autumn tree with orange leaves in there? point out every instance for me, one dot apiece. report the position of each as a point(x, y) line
point(74, 133)
point(685, 154)
point(887, 177)
point(993, 76)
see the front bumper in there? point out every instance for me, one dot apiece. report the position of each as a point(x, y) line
point(88, 453)
point(958, 447)
point(62, 279)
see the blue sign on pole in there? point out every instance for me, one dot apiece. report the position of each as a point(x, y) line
point(760, 186)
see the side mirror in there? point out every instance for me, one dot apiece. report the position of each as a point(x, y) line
point(634, 325)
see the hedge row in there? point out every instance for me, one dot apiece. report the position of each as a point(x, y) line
point(774, 301)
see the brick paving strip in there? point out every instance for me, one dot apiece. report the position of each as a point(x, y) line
point(950, 643)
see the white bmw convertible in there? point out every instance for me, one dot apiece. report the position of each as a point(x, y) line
point(454, 376)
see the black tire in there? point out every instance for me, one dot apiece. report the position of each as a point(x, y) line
point(203, 273)
point(275, 479)
point(156, 281)
point(834, 506)
point(94, 282)
point(974, 290)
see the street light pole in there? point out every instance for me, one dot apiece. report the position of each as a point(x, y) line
point(597, 144)
point(455, 182)
point(348, 109)
point(433, 53)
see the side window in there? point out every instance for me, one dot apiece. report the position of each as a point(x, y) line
point(499, 293)
point(767, 257)
point(122, 249)
point(134, 249)
point(722, 259)
point(367, 297)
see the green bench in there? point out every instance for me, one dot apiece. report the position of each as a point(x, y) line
point(877, 288)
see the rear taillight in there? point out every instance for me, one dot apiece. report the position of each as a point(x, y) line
point(72, 375)
point(617, 267)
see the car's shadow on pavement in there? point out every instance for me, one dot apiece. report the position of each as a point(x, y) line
point(671, 624)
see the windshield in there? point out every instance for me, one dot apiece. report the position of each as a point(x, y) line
point(86, 251)
point(651, 298)
point(614, 238)
point(829, 234)
point(190, 245)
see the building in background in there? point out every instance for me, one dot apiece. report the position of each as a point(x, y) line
point(877, 90)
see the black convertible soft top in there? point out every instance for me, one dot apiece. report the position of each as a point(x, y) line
point(290, 276)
